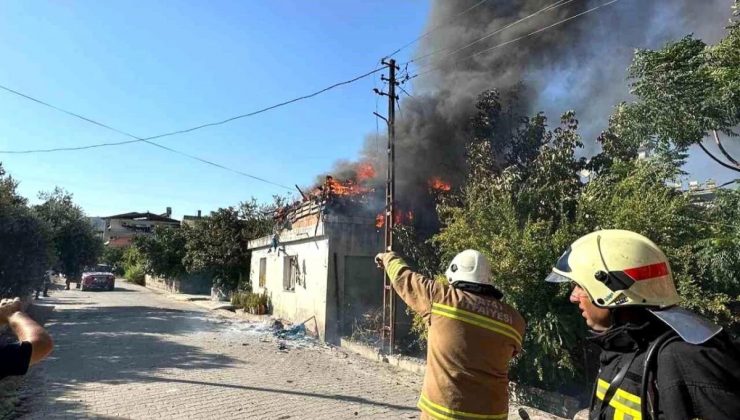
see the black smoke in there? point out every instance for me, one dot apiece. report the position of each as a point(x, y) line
point(579, 65)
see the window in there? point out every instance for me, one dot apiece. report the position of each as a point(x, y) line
point(291, 272)
point(263, 272)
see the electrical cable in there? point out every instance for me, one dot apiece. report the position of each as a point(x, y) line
point(137, 139)
point(168, 134)
point(488, 35)
point(511, 41)
point(424, 35)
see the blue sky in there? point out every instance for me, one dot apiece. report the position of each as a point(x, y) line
point(152, 67)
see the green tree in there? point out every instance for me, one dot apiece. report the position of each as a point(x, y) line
point(218, 244)
point(75, 242)
point(686, 81)
point(163, 252)
point(113, 256)
point(25, 248)
point(519, 216)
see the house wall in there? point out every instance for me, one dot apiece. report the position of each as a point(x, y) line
point(341, 282)
point(356, 287)
point(308, 298)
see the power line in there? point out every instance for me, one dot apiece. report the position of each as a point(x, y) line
point(424, 35)
point(137, 139)
point(488, 35)
point(511, 41)
point(168, 134)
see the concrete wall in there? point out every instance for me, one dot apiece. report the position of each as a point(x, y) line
point(191, 284)
point(308, 299)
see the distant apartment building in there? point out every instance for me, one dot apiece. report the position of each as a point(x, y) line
point(120, 229)
point(189, 221)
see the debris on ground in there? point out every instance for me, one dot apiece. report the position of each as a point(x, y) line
point(296, 332)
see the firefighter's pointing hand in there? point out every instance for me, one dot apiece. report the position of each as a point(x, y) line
point(382, 259)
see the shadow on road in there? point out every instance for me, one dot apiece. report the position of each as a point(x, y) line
point(338, 397)
point(115, 345)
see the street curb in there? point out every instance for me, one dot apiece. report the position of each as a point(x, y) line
point(410, 364)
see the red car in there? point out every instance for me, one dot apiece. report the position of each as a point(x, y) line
point(99, 277)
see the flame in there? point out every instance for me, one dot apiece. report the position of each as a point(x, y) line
point(399, 218)
point(365, 171)
point(348, 187)
point(437, 184)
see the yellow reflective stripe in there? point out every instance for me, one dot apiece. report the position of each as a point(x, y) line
point(476, 319)
point(622, 400)
point(439, 412)
point(394, 267)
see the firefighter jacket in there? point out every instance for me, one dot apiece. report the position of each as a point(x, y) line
point(691, 381)
point(472, 338)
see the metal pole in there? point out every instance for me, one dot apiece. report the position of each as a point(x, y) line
point(389, 297)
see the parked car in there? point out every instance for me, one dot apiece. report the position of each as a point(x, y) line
point(99, 277)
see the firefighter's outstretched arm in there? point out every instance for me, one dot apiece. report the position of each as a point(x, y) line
point(416, 290)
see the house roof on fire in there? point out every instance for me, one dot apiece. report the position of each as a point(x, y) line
point(142, 216)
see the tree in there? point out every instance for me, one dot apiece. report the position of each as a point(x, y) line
point(685, 91)
point(519, 216)
point(164, 251)
point(75, 242)
point(113, 256)
point(24, 243)
point(218, 243)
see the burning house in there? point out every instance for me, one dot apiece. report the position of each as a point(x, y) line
point(318, 264)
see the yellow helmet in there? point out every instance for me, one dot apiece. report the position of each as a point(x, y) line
point(620, 268)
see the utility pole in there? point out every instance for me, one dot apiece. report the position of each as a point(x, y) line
point(389, 296)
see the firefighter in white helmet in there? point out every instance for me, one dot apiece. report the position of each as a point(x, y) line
point(658, 360)
point(472, 336)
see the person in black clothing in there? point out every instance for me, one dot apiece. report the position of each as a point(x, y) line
point(33, 344)
point(658, 360)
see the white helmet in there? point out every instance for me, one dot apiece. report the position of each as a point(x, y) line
point(469, 266)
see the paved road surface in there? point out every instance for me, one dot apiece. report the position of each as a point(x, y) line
point(133, 353)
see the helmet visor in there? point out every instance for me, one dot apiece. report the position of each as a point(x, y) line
point(554, 277)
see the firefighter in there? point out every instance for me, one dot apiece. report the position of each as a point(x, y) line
point(472, 337)
point(658, 360)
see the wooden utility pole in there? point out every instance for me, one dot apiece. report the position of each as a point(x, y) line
point(389, 296)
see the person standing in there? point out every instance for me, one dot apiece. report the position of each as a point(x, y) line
point(658, 360)
point(473, 336)
point(33, 345)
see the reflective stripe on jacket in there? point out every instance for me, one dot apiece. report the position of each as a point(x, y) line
point(692, 381)
point(471, 340)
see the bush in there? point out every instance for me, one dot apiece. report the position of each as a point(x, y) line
point(255, 303)
point(136, 275)
point(133, 266)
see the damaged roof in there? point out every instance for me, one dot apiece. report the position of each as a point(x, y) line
point(142, 216)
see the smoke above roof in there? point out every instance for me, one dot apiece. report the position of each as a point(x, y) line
point(580, 65)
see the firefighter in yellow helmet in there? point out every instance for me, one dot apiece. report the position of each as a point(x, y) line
point(472, 337)
point(658, 360)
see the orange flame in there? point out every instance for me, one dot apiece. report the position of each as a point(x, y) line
point(365, 171)
point(437, 184)
point(348, 187)
point(399, 218)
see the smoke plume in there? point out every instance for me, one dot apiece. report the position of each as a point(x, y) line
point(579, 65)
